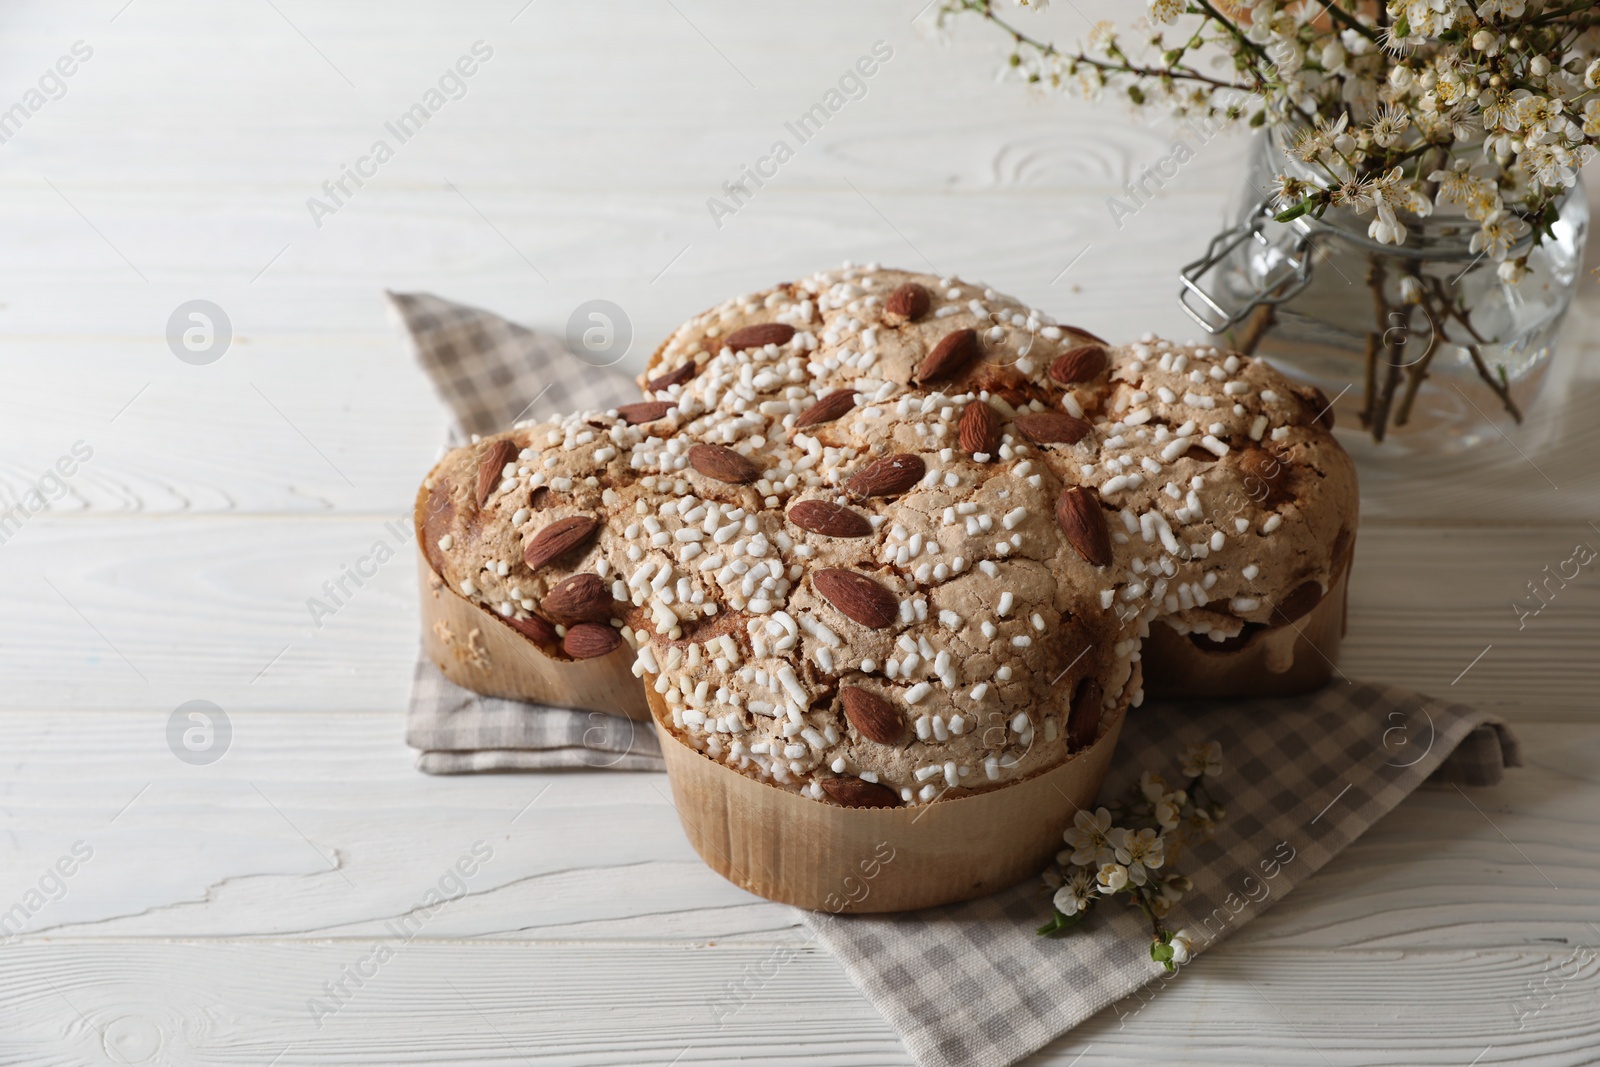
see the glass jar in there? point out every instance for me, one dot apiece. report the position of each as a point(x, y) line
point(1421, 347)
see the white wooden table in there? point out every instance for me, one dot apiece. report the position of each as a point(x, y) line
point(221, 901)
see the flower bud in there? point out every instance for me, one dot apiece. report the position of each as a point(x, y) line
point(1483, 41)
point(1540, 66)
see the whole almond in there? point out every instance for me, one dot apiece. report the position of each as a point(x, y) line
point(888, 476)
point(1078, 364)
point(1081, 332)
point(1266, 477)
point(581, 598)
point(644, 411)
point(1084, 720)
point(559, 538)
point(979, 430)
point(873, 716)
point(909, 301)
point(723, 464)
point(673, 377)
point(765, 333)
point(827, 409)
point(1084, 524)
point(1051, 427)
point(493, 462)
point(859, 793)
point(949, 357)
point(1300, 601)
point(858, 597)
point(590, 639)
point(535, 629)
point(829, 519)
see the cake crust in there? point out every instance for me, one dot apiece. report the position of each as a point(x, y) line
point(885, 490)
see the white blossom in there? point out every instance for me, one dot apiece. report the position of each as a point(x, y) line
point(1166, 11)
point(1075, 892)
point(1182, 946)
point(1332, 56)
point(1140, 851)
point(1551, 165)
point(1197, 760)
point(1386, 229)
point(1088, 837)
point(1389, 124)
point(1498, 233)
point(1112, 877)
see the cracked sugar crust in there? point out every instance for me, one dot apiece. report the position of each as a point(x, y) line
point(752, 657)
point(1222, 497)
point(848, 339)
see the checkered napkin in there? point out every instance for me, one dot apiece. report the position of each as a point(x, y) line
point(492, 373)
point(971, 985)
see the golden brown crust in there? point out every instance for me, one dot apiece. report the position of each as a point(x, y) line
point(1219, 492)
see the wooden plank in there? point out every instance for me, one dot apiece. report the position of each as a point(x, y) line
point(316, 825)
point(203, 1003)
point(589, 104)
point(328, 282)
point(319, 408)
point(945, 180)
point(1434, 930)
point(151, 613)
point(248, 435)
point(422, 235)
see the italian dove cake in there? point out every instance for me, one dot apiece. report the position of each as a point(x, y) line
point(887, 557)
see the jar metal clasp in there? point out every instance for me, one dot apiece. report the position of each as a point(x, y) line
point(1287, 277)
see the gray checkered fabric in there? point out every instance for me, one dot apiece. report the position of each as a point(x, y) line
point(971, 985)
point(457, 731)
point(491, 373)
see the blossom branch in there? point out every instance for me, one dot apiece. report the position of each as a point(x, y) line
point(1350, 22)
point(1130, 849)
point(985, 9)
